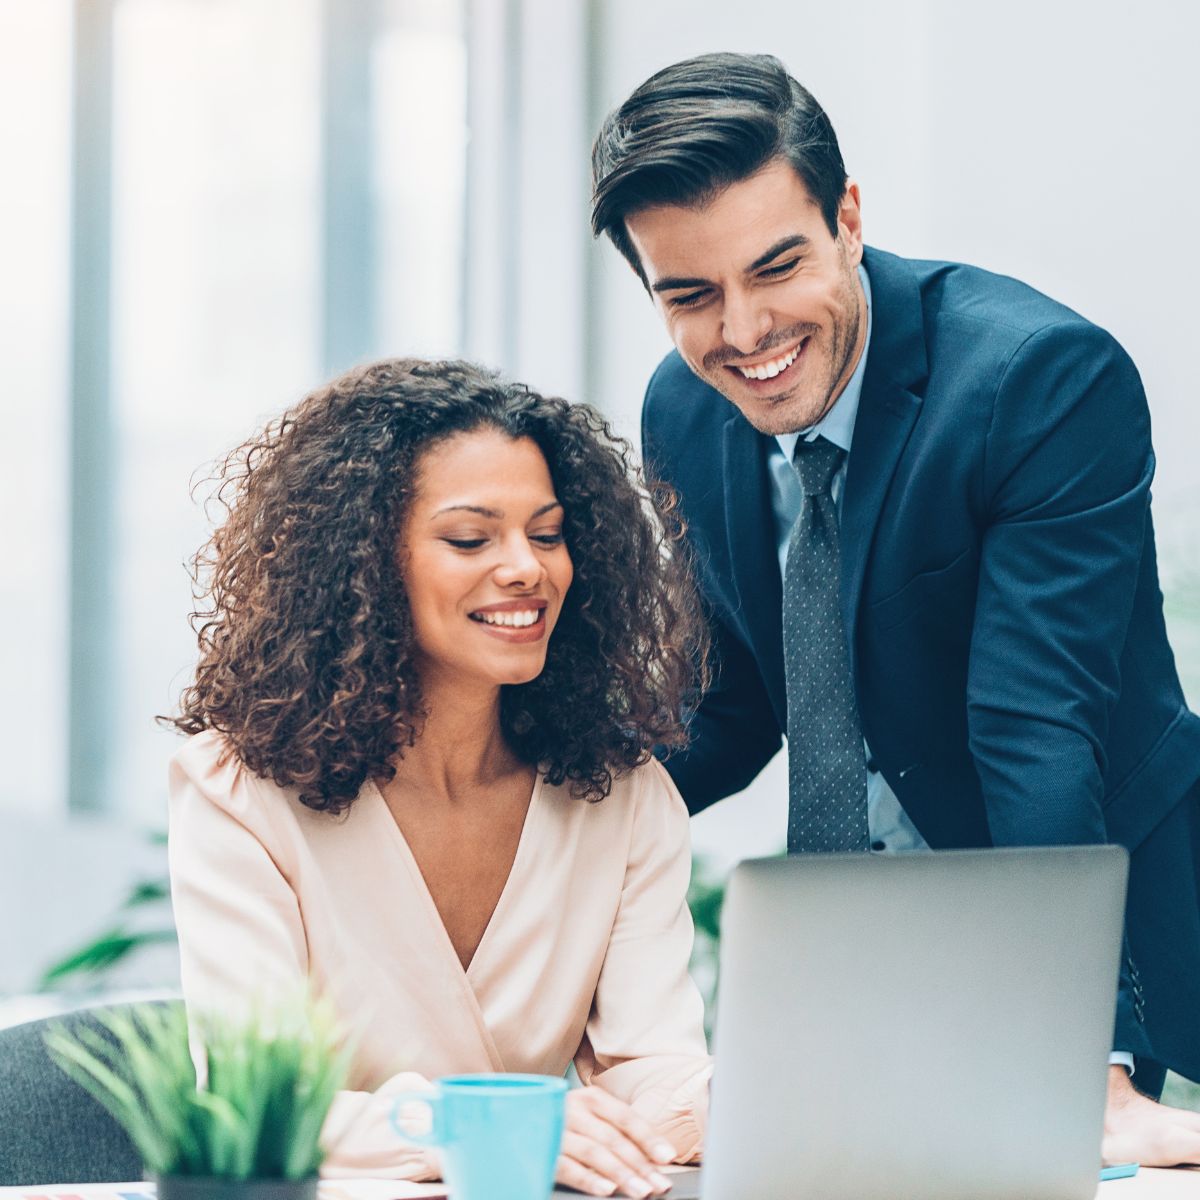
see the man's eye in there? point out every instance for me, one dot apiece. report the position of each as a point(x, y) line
point(778, 269)
point(688, 299)
point(464, 543)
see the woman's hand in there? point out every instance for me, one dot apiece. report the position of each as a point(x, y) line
point(608, 1148)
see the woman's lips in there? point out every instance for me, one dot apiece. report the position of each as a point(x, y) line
point(513, 624)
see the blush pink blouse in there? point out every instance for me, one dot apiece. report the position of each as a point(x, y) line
point(584, 958)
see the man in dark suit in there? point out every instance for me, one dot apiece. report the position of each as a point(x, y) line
point(918, 497)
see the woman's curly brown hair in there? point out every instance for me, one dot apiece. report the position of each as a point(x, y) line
point(306, 642)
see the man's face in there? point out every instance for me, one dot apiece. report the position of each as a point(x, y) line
point(759, 298)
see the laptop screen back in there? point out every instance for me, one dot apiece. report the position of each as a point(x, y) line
point(920, 1025)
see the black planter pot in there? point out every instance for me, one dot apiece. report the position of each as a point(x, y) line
point(210, 1187)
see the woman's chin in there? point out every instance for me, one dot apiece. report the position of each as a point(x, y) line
point(511, 674)
point(518, 677)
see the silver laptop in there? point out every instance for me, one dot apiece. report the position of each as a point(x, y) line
point(918, 1026)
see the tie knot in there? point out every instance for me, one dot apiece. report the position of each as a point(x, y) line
point(816, 463)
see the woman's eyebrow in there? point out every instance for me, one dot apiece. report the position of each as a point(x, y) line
point(492, 513)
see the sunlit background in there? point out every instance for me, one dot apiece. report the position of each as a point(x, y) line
point(210, 206)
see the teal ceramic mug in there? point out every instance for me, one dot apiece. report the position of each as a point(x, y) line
point(499, 1135)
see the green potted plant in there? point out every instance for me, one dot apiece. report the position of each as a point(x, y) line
point(251, 1131)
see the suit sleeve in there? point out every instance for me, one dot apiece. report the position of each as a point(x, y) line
point(242, 942)
point(1068, 470)
point(645, 1034)
point(733, 730)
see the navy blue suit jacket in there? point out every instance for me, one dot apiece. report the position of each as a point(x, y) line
point(999, 589)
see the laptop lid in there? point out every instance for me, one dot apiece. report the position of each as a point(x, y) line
point(923, 1025)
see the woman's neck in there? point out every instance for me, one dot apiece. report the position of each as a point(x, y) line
point(459, 748)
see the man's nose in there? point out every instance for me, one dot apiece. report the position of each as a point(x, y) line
point(519, 565)
point(745, 322)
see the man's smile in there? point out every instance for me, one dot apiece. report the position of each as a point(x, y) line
point(771, 367)
point(769, 375)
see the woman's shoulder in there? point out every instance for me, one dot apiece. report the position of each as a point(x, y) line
point(210, 746)
point(641, 798)
point(648, 784)
point(208, 772)
point(661, 811)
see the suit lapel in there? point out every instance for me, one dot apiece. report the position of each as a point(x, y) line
point(887, 410)
point(750, 526)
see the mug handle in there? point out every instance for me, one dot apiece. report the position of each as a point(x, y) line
point(433, 1101)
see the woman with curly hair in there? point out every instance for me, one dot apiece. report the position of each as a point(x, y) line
point(440, 631)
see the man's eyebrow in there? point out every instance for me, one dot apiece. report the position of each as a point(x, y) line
point(673, 283)
point(796, 242)
point(493, 514)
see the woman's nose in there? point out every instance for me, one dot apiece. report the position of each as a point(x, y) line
point(519, 565)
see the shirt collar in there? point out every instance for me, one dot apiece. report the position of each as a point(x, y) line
point(837, 425)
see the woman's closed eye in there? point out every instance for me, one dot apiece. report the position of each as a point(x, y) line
point(547, 540)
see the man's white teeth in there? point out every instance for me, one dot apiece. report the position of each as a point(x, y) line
point(769, 370)
point(515, 619)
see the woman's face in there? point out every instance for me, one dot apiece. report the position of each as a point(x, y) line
point(483, 559)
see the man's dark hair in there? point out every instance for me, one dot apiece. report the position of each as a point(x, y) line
point(697, 126)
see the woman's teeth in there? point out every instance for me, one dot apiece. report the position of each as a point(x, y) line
point(769, 370)
point(515, 619)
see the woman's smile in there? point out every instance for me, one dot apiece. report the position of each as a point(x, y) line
point(513, 620)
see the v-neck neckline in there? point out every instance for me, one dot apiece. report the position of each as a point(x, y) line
point(414, 868)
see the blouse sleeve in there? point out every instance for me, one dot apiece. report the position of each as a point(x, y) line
point(645, 1035)
point(241, 938)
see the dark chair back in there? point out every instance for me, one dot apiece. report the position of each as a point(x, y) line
point(51, 1130)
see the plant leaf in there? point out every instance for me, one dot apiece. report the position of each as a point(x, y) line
point(148, 891)
point(102, 953)
point(112, 1092)
point(271, 1080)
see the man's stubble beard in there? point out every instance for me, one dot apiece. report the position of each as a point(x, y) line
point(843, 340)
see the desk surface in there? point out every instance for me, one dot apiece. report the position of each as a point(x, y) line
point(1148, 1184)
point(1153, 1185)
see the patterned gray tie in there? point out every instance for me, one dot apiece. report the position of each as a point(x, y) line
point(827, 773)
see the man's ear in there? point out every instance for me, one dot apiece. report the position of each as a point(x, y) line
point(849, 219)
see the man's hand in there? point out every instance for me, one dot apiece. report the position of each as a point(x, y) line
point(1137, 1129)
point(607, 1148)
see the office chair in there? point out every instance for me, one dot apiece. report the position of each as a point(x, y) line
point(51, 1130)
